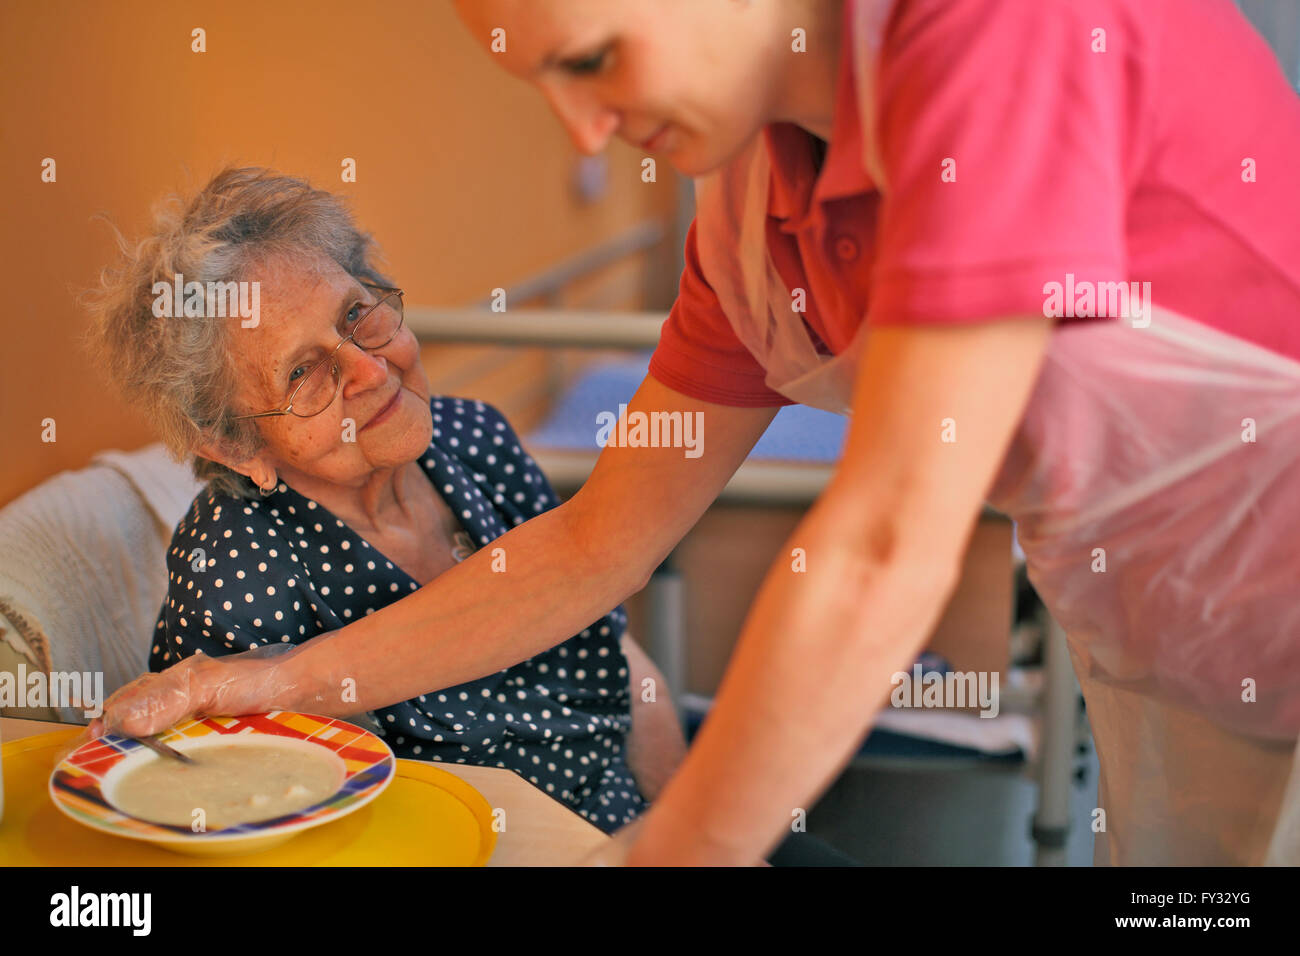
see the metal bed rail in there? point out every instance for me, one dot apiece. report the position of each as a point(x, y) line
point(562, 328)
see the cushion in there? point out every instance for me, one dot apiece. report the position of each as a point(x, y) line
point(81, 559)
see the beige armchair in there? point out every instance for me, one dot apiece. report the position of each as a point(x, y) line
point(82, 570)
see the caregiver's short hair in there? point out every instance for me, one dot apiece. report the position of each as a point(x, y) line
point(179, 371)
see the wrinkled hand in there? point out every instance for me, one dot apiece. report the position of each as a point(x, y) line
point(245, 683)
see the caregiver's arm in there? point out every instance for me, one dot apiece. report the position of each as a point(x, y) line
point(883, 549)
point(527, 591)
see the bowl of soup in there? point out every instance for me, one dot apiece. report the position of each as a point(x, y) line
point(254, 781)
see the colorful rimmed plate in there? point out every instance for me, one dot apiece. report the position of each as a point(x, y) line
point(82, 784)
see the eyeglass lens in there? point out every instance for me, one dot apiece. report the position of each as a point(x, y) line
point(373, 330)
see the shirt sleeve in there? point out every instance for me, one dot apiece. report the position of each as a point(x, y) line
point(1003, 138)
point(698, 353)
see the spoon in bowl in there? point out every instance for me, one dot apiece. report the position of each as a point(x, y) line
point(160, 748)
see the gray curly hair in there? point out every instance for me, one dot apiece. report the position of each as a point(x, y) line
point(182, 372)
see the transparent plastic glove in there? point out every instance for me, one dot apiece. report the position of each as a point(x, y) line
point(246, 683)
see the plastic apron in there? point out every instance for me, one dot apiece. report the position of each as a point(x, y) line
point(1134, 442)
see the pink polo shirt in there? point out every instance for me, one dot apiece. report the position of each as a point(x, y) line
point(1131, 164)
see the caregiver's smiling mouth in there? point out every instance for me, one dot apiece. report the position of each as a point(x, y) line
point(655, 142)
point(386, 412)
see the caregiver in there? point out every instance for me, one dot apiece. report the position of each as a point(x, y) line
point(886, 225)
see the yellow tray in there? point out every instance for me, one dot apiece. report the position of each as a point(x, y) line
point(426, 817)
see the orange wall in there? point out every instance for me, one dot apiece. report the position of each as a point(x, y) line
point(463, 174)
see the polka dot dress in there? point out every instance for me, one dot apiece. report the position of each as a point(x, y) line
point(243, 573)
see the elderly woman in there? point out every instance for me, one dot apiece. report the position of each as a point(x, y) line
point(336, 484)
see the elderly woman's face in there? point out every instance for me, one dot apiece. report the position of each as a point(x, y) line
point(684, 79)
point(380, 417)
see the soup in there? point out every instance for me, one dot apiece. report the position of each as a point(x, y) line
point(230, 783)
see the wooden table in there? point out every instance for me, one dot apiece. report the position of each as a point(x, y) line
point(539, 831)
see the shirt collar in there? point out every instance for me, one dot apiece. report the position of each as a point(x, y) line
point(444, 468)
point(797, 190)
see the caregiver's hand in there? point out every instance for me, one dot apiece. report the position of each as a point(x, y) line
point(614, 851)
point(246, 683)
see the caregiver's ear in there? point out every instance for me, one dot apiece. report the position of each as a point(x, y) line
point(256, 468)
